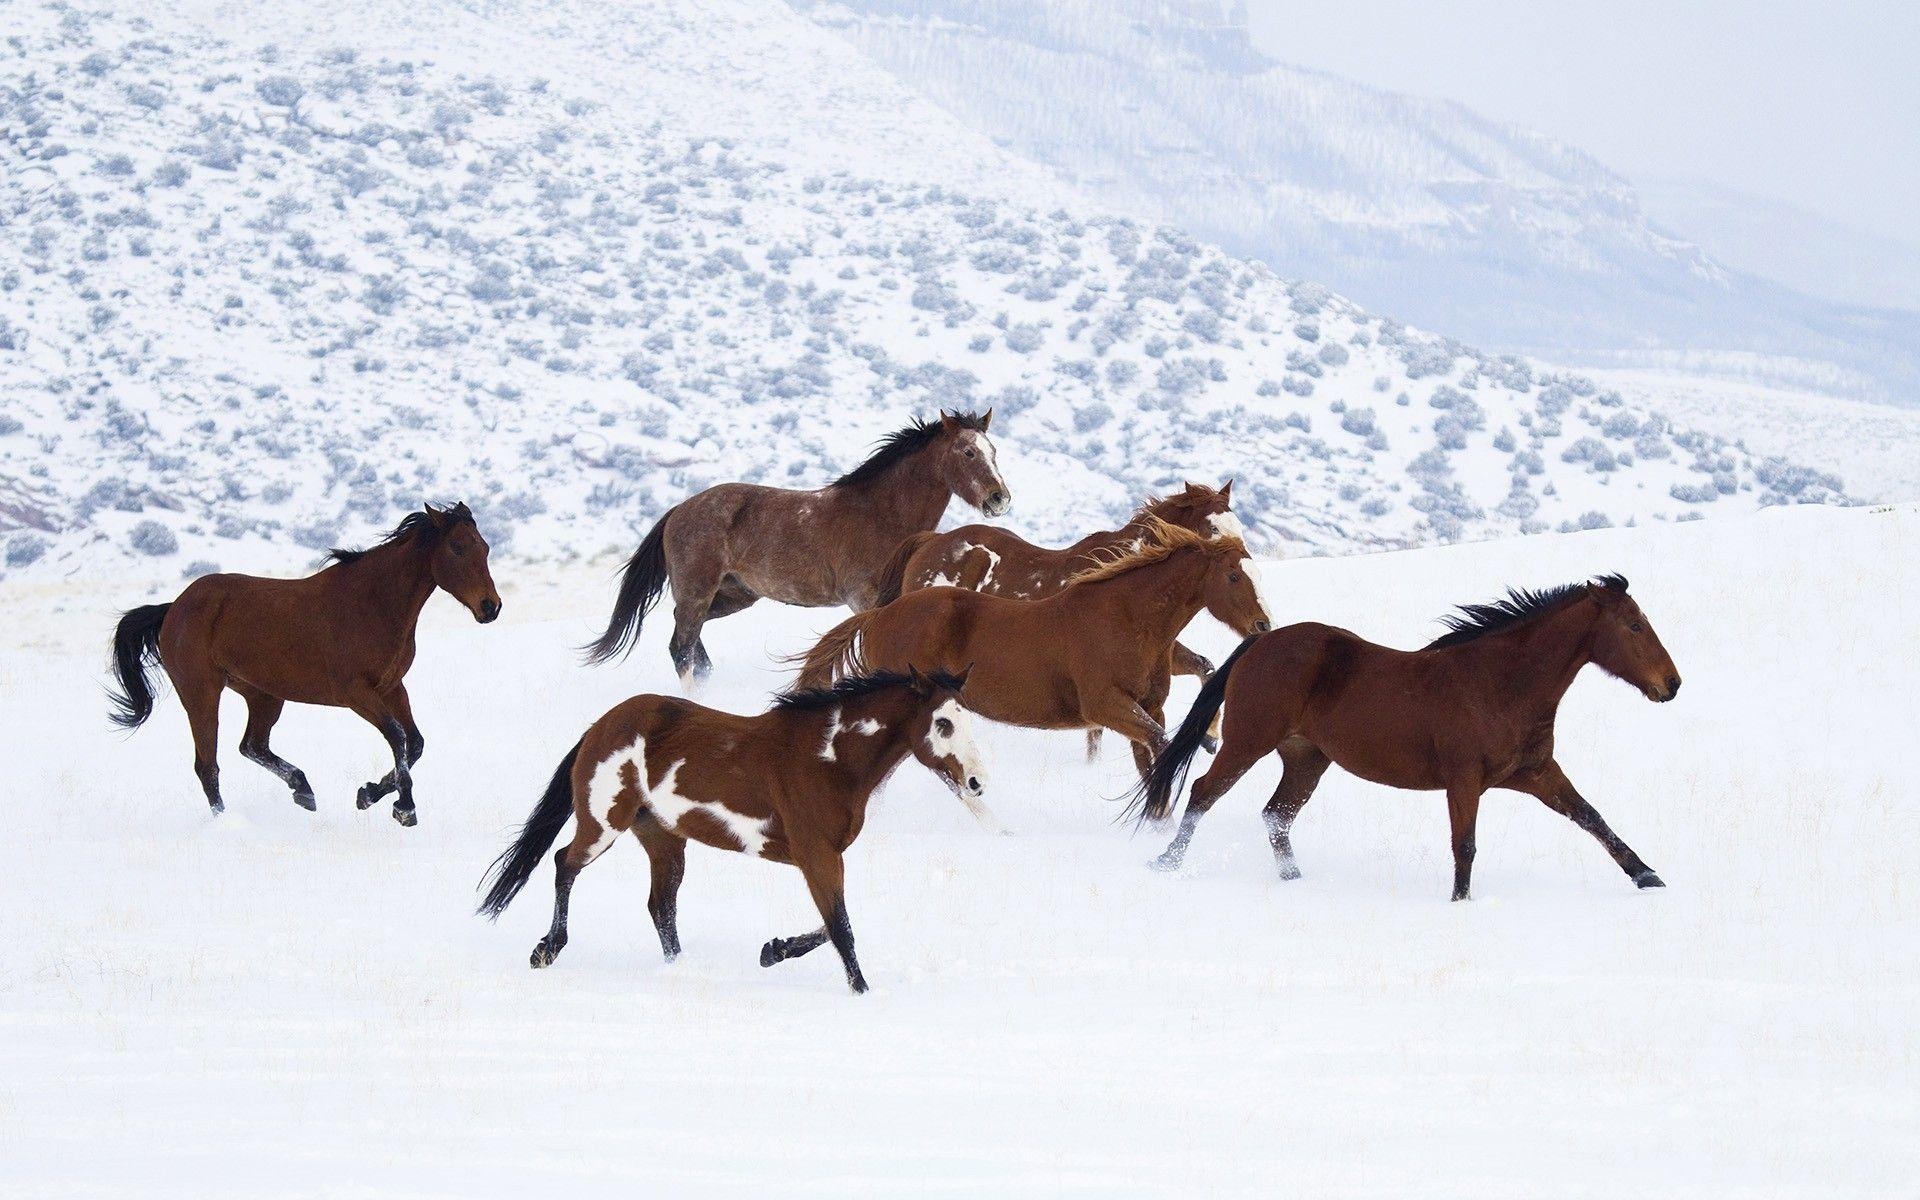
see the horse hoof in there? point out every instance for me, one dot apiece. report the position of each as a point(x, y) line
point(367, 797)
point(1210, 744)
point(858, 985)
point(771, 953)
point(1166, 862)
point(405, 816)
point(305, 800)
point(1289, 871)
point(543, 955)
point(1647, 879)
point(216, 808)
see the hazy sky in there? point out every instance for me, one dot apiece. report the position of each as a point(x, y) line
point(1814, 103)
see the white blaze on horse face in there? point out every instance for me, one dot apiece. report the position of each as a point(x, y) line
point(666, 804)
point(957, 745)
point(1226, 524)
point(991, 459)
point(1259, 593)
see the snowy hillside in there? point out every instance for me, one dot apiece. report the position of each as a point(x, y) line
point(1414, 207)
point(273, 293)
point(303, 1003)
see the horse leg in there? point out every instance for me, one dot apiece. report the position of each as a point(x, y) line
point(402, 708)
point(1554, 790)
point(1128, 717)
point(825, 872)
point(689, 654)
point(1233, 761)
point(203, 717)
point(1143, 754)
point(590, 838)
point(1463, 812)
point(778, 950)
point(373, 708)
point(667, 857)
point(262, 711)
point(1186, 662)
point(1302, 765)
point(1093, 745)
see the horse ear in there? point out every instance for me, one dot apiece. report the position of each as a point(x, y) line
point(918, 682)
point(986, 420)
point(1226, 489)
point(1599, 591)
point(960, 680)
point(439, 516)
point(947, 422)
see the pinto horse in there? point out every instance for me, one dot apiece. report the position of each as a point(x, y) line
point(986, 558)
point(343, 638)
point(1473, 710)
point(1096, 654)
point(790, 785)
point(736, 543)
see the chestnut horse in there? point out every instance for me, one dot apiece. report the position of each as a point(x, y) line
point(342, 638)
point(1096, 654)
point(986, 558)
point(790, 785)
point(736, 543)
point(1473, 710)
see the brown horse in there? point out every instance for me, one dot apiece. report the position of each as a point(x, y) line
point(986, 558)
point(342, 638)
point(1096, 654)
point(789, 785)
point(1472, 711)
point(736, 543)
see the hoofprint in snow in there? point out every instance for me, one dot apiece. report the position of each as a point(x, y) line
point(287, 288)
point(304, 1003)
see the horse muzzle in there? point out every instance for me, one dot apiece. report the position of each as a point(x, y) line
point(488, 612)
point(997, 504)
point(1665, 692)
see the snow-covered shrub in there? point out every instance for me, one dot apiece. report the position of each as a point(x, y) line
point(1122, 372)
point(152, 538)
point(25, 549)
point(1593, 452)
point(1090, 417)
point(1586, 520)
point(1025, 338)
point(1333, 354)
point(1358, 421)
point(1694, 493)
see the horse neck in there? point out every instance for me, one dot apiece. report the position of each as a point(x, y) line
point(392, 582)
point(1158, 598)
point(906, 499)
point(864, 760)
point(1532, 665)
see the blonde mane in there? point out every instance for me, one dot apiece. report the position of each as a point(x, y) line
point(1163, 540)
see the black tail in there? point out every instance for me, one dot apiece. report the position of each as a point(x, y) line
point(510, 872)
point(136, 646)
point(1153, 799)
point(640, 584)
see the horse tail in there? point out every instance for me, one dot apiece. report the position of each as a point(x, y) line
point(136, 646)
point(1153, 798)
point(893, 578)
point(640, 583)
point(510, 872)
point(837, 654)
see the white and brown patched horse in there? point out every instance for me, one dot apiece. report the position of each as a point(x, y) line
point(789, 785)
point(999, 562)
point(737, 543)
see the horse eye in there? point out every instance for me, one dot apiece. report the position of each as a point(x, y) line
point(1637, 627)
point(970, 453)
point(459, 551)
point(1235, 577)
point(943, 727)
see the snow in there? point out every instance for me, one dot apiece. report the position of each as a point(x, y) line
point(304, 1004)
point(571, 289)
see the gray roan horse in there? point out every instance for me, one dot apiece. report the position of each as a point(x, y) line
point(736, 543)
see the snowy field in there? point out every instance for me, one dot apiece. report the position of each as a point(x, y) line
point(304, 1004)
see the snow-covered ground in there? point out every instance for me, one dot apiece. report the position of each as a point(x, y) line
point(303, 1003)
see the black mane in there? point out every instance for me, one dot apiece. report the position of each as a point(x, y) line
point(855, 686)
point(416, 524)
point(901, 443)
point(1474, 621)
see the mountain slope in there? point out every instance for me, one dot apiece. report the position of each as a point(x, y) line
point(284, 291)
point(1415, 207)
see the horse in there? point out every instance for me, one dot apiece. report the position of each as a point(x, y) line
point(343, 638)
point(1471, 711)
point(1095, 654)
point(733, 544)
point(986, 558)
point(789, 785)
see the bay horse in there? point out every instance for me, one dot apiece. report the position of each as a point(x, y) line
point(343, 638)
point(987, 558)
point(1471, 711)
point(789, 785)
point(1095, 654)
point(736, 543)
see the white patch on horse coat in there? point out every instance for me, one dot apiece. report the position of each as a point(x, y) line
point(993, 562)
point(957, 745)
point(865, 727)
point(1227, 524)
point(833, 731)
point(666, 804)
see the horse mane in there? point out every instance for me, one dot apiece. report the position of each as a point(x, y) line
point(902, 443)
point(1475, 621)
point(1163, 539)
point(855, 686)
point(1153, 505)
point(415, 524)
